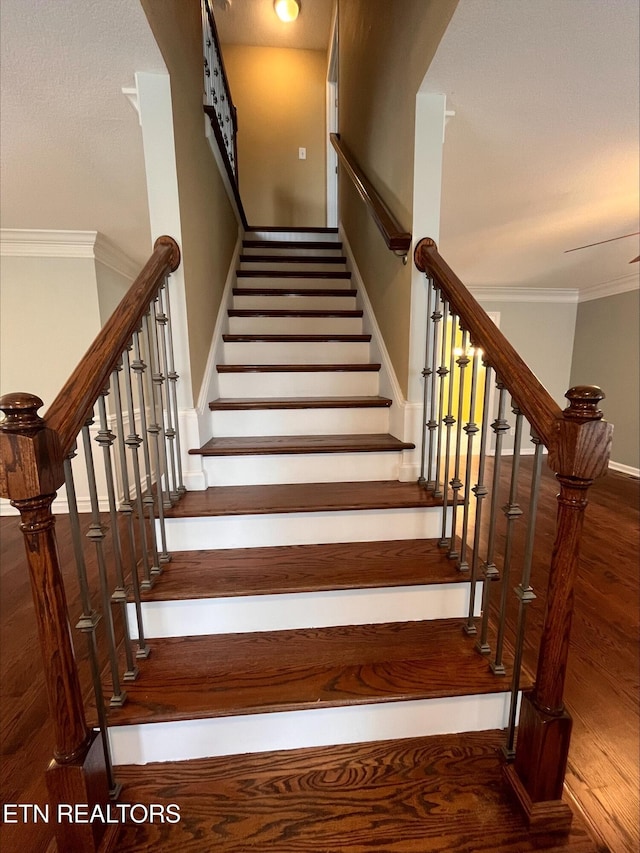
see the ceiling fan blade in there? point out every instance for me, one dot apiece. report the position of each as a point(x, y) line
point(600, 242)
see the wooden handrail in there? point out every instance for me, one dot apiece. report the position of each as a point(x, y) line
point(538, 406)
point(396, 238)
point(69, 411)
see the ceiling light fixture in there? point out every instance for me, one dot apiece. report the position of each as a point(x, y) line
point(287, 10)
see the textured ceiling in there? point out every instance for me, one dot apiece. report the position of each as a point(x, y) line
point(542, 154)
point(70, 142)
point(253, 22)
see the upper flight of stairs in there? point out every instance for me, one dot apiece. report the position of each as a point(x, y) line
point(307, 602)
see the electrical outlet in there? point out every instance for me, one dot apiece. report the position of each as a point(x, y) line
point(302, 153)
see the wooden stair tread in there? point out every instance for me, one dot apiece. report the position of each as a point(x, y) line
point(293, 291)
point(302, 497)
point(277, 312)
point(294, 229)
point(292, 244)
point(411, 795)
point(303, 568)
point(366, 367)
point(258, 445)
point(294, 339)
point(293, 273)
point(225, 404)
point(294, 259)
point(225, 674)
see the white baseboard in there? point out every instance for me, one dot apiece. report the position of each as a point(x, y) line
point(625, 469)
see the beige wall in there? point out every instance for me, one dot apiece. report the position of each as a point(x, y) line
point(383, 58)
point(606, 352)
point(280, 97)
point(209, 227)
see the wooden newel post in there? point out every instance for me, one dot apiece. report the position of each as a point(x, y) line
point(579, 456)
point(31, 471)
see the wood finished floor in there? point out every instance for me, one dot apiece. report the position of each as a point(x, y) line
point(602, 694)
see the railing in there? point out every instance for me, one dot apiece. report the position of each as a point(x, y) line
point(454, 466)
point(140, 475)
point(218, 103)
point(396, 238)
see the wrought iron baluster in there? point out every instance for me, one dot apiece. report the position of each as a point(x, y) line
point(105, 439)
point(157, 439)
point(456, 484)
point(524, 593)
point(470, 429)
point(173, 377)
point(432, 423)
point(88, 621)
point(491, 574)
point(157, 408)
point(96, 534)
point(127, 509)
point(442, 371)
point(163, 370)
point(139, 367)
point(512, 512)
point(426, 373)
point(448, 422)
point(480, 491)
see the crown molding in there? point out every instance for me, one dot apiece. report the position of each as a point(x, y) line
point(37, 243)
point(623, 284)
point(525, 294)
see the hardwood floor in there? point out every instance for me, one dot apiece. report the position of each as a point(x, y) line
point(602, 694)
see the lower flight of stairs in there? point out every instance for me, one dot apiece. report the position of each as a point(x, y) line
point(307, 602)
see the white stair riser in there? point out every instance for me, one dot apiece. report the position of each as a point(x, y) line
point(286, 281)
point(300, 468)
point(295, 325)
point(185, 740)
point(245, 614)
point(292, 251)
point(305, 352)
point(293, 236)
point(301, 422)
point(292, 266)
point(302, 528)
point(313, 384)
point(292, 302)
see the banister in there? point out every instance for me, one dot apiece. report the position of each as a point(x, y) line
point(68, 412)
point(538, 406)
point(397, 239)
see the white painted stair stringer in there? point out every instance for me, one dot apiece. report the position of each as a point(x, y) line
point(191, 739)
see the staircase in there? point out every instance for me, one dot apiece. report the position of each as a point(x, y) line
point(307, 602)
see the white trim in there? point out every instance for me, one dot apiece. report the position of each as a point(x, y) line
point(131, 94)
point(625, 469)
point(41, 243)
point(623, 284)
point(525, 294)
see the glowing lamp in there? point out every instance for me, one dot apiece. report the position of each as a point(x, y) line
point(287, 10)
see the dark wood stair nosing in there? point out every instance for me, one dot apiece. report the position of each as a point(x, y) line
point(294, 339)
point(277, 312)
point(293, 259)
point(301, 445)
point(365, 367)
point(295, 291)
point(231, 404)
point(310, 274)
point(293, 244)
point(293, 229)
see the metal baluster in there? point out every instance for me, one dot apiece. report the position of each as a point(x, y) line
point(524, 593)
point(449, 422)
point(133, 442)
point(442, 373)
point(480, 491)
point(499, 427)
point(432, 423)
point(157, 407)
point(127, 509)
point(88, 620)
point(163, 370)
point(105, 439)
point(157, 441)
point(96, 534)
point(456, 484)
point(173, 377)
point(426, 373)
point(471, 428)
point(140, 369)
point(512, 512)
